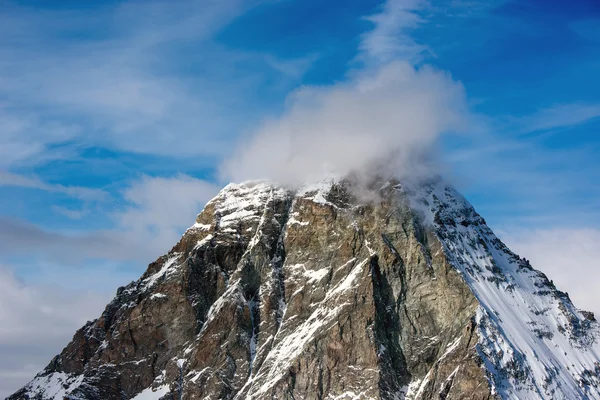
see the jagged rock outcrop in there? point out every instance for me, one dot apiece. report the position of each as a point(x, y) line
point(320, 294)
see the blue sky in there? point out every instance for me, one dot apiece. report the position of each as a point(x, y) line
point(116, 118)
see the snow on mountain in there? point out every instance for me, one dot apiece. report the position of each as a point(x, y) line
point(534, 342)
point(319, 293)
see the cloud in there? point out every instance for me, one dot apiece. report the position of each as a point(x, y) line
point(559, 116)
point(70, 213)
point(292, 68)
point(37, 322)
point(388, 118)
point(45, 307)
point(82, 193)
point(569, 256)
point(19, 238)
point(26, 136)
point(523, 169)
point(112, 85)
point(390, 38)
point(398, 24)
point(158, 210)
point(141, 76)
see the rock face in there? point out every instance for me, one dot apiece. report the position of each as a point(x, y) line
point(320, 294)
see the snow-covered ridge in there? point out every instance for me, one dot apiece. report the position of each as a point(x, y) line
point(534, 343)
point(56, 385)
point(244, 202)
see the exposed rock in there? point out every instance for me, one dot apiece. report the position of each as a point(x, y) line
point(320, 294)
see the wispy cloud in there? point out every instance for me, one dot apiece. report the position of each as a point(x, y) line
point(157, 211)
point(144, 77)
point(393, 35)
point(161, 208)
point(82, 193)
point(391, 39)
point(27, 136)
point(518, 176)
point(516, 180)
point(294, 68)
point(558, 116)
point(70, 213)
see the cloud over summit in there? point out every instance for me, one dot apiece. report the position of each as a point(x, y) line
point(389, 118)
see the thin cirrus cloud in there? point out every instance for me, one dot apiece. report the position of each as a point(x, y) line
point(559, 116)
point(26, 136)
point(153, 81)
point(82, 193)
point(73, 214)
point(390, 38)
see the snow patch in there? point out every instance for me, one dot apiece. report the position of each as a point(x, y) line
point(317, 192)
point(204, 241)
point(293, 343)
point(56, 385)
point(201, 227)
point(152, 393)
point(450, 348)
point(165, 270)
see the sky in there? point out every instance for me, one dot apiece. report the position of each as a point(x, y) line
point(119, 120)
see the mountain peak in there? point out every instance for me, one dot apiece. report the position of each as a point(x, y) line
point(340, 290)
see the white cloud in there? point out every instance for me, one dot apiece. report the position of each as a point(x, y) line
point(161, 209)
point(25, 136)
point(82, 193)
point(28, 311)
point(37, 322)
point(158, 212)
point(390, 37)
point(145, 77)
point(112, 84)
point(395, 27)
point(165, 201)
point(388, 118)
point(570, 257)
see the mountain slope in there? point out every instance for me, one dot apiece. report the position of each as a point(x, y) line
point(320, 294)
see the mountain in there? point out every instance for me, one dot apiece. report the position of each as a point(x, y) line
point(400, 291)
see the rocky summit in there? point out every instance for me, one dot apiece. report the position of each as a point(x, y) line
point(329, 293)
